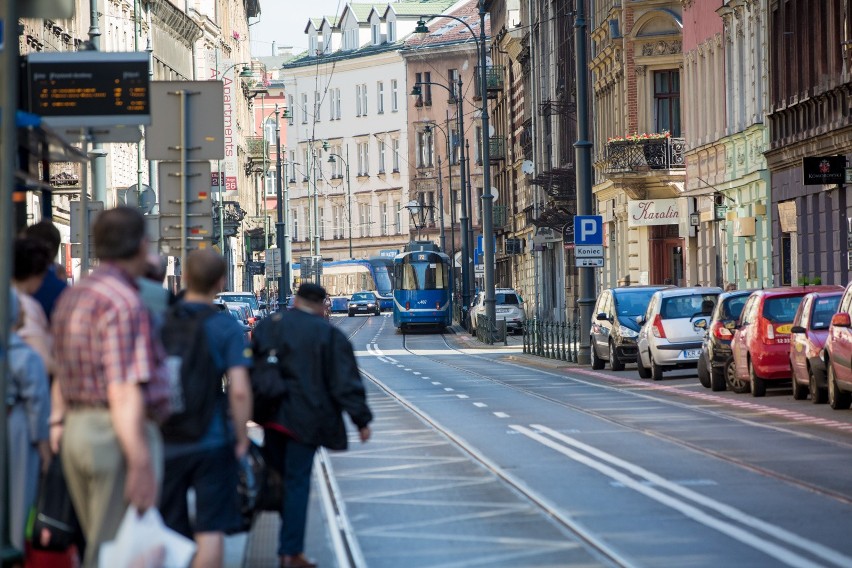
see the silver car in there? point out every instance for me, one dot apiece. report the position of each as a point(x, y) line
point(508, 305)
point(673, 328)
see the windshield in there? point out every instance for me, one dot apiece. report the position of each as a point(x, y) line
point(781, 309)
point(245, 298)
point(680, 307)
point(504, 298)
point(363, 297)
point(382, 278)
point(733, 307)
point(422, 275)
point(633, 302)
point(824, 309)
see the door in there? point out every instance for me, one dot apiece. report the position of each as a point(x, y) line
point(601, 328)
point(666, 255)
point(841, 344)
point(739, 345)
point(799, 341)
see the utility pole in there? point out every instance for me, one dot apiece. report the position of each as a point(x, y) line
point(464, 220)
point(349, 201)
point(583, 152)
point(98, 154)
point(487, 199)
point(280, 237)
point(441, 205)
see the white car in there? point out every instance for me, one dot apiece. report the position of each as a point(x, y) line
point(508, 305)
point(673, 328)
point(258, 309)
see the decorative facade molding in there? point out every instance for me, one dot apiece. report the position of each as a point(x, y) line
point(661, 47)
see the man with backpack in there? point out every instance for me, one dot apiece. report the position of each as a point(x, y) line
point(318, 368)
point(208, 361)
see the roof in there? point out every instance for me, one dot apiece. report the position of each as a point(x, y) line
point(304, 59)
point(446, 31)
point(419, 8)
point(362, 11)
point(274, 61)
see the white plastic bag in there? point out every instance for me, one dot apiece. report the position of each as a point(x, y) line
point(144, 541)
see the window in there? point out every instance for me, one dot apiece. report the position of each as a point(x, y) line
point(363, 159)
point(385, 219)
point(337, 164)
point(334, 104)
point(380, 97)
point(427, 88)
point(317, 103)
point(667, 101)
point(357, 100)
point(363, 100)
point(424, 149)
point(477, 147)
point(365, 220)
point(305, 163)
point(381, 143)
point(394, 96)
point(453, 77)
point(454, 144)
point(304, 108)
point(376, 34)
point(293, 166)
point(398, 220)
point(391, 31)
point(337, 106)
point(294, 223)
point(350, 39)
point(395, 151)
point(312, 47)
point(321, 223)
point(292, 108)
point(269, 131)
point(418, 82)
point(269, 184)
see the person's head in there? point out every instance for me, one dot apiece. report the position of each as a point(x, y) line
point(120, 238)
point(48, 234)
point(730, 287)
point(311, 297)
point(667, 282)
point(31, 261)
point(707, 307)
point(157, 268)
point(205, 272)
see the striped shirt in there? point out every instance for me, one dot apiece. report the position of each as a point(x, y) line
point(103, 334)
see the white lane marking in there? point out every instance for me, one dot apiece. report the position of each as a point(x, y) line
point(501, 415)
point(448, 389)
point(406, 369)
point(435, 383)
point(400, 366)
point(392, 360)
point(427, 378)
point(462, 396)
point(480, 405)
point(417, 372)
point(778, 552)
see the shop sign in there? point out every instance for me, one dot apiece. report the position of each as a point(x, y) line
point(823, 170)
point(744, 227)
point(652, 212)
point(787, 216)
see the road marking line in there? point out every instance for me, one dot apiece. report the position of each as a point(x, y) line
point(416, 372)
point(480, 405)
point(501, 415)
point(435, 383)
point(462, 396)
point(785, 555)
point(448, 389)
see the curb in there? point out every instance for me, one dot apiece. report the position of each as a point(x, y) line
point(543, 362)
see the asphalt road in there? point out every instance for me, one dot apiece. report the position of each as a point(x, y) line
point(484, 456)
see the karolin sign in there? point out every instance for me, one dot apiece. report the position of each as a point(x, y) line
point(652, 212)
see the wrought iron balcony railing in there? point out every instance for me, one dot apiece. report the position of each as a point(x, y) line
point(500, 214)
point(493, 81)
point(655, 154)
point(256, 147)
point(496, 148)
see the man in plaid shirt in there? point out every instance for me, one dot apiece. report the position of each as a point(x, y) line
point(112, 387)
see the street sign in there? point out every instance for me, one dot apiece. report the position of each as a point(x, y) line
point(206, 122)
point(587, 251)
point(823, 170)
point(95, 207)
point(588, 230)
point(273, 263)
point(848, 175)
point(589, 262)
point(89, 88)
point(199, 207)
point(479, 269)
point(388, 253)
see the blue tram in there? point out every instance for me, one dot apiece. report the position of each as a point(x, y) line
point(422, 290)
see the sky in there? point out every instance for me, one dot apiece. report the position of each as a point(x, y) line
point(283, 21)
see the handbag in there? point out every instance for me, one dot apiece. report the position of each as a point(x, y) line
point(252, 469)
point(55, 527)
point(144, 541)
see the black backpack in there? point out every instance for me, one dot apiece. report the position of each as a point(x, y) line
point(196, 383)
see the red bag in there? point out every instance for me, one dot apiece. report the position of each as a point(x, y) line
point(48, 559)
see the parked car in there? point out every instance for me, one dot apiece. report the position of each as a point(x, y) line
point(364, 303)
point(339, 305)
point(807, 339)
point(508, 305)
point(614, 326)
point(672, 329)
point(245, 312)
point(258, 309)
point(761, 344)
point(715, 359)
point(238, 316)
point(837, 354)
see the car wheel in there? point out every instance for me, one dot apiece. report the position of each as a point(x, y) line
point(615, 363)
point(717, 380)
point(703, 373)
point(733, 382)
point(656, 371)
point(351, 315)
point(758, 384)
point(837, 399)
point(800, 391)
point(644, 372)
point(597, 362)
point(818, 395)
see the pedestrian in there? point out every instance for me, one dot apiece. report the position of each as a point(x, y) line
point(730, 287)
point(31, 263)
point(27, 410)
point(114, 389)
point(323, 380)
point(208, 464)
point(54, 282)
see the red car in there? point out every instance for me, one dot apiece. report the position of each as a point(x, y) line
point(838, 354)
point(761, 344)
point(810, 330)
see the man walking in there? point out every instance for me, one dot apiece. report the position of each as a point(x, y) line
point(318, 364)
point(215, 347)
point(110, 369)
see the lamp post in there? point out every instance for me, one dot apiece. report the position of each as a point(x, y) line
point(464, 220)
point(280, 227)
point(348, 193)
point(487, 205)
point(428, 129)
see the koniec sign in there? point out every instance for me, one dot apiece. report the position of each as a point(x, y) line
point(646, 212)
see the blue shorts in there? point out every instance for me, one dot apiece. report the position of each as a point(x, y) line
point(213, 475)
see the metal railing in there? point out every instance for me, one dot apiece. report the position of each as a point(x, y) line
point(497, 148)
point(655, 154)
point(490, 331)
point(552, 339)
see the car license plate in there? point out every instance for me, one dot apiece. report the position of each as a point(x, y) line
point(690, 353)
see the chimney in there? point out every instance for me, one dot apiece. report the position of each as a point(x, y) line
point(274, 50)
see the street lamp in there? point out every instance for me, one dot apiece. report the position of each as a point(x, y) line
point(487, 205)
point(348, 193)
point(281, 237)
point(464, 220)
point(428, 130)
point(418, 213)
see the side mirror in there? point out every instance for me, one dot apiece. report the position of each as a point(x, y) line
point(700, 324)
point(841, 320)
point(640, 320)
point(602, 316)
point(797, 329)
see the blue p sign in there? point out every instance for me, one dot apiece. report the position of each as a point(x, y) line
point(588, 230)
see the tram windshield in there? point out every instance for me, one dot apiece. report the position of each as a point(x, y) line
point(419, 272)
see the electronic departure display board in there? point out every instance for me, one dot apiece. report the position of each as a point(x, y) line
point(90, 88)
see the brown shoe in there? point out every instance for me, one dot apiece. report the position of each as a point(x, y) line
point(297, 561)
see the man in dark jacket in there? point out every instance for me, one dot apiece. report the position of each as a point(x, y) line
point(319, 367)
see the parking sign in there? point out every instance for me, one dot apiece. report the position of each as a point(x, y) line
point(588, 230)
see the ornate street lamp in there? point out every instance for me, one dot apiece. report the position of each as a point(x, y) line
point(348, 191)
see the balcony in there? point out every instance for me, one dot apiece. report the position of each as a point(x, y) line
point(496, 148)
point(257, 148)
point(640, 156)
point(500, 216)
point(493, 81)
